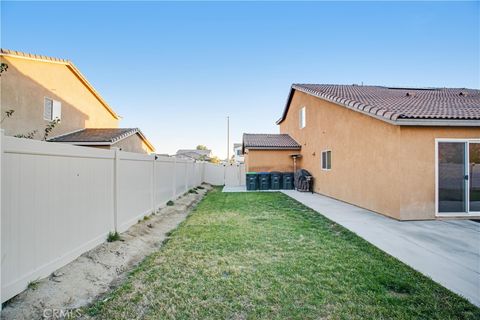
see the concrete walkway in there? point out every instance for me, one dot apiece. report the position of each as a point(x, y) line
point(447, 251)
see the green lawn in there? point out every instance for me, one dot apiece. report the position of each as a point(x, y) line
point(264, 256)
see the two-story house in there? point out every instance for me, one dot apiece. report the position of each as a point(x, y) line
point(238, 153)
point(42, 89)
point(410, 154)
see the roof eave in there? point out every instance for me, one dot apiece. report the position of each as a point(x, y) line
point(287, 105)
point(273, 148)
point(86, 143)
point(397, 121)
point(437, 122)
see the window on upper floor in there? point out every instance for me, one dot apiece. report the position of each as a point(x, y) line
point(327, 160)
point(52, 109)
point(303, 117)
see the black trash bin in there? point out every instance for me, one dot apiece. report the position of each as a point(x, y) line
point(287, 180)
point(252, 181)
point(276, 180)
point(264, 180)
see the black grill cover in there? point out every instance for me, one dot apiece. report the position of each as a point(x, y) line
point(303, 180)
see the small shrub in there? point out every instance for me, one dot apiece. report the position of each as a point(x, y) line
point(113, 236)
point(200, 188)
point(146, 218)
point(170, 203)
point(33, 285)
point(192, 191)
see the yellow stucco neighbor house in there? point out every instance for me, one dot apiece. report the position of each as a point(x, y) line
point(407, 153)
point(42, 89)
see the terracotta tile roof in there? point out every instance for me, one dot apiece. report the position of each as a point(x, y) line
point(397, 104)
point(269, 141)
point(96, 135)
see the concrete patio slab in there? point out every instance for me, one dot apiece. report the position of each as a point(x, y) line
point(447, 251)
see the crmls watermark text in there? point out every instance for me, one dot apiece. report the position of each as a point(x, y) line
point(52, 313)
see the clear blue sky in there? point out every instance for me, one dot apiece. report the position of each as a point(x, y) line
point(176, 70)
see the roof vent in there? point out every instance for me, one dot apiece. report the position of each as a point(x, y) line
point(462, 94)
point(409, 94)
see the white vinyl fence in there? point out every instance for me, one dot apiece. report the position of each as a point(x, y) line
point(229, 175)
point(58, 200)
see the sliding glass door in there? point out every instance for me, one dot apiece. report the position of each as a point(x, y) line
point(474, 176)
point(458, 177)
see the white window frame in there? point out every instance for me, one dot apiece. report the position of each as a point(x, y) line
point(302, 117)
point(44, 106)
point(326, 160)
point(56, 112)
point(467, 212)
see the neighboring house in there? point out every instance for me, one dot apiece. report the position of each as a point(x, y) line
point(194, 154)
point(269, 152)
point(41, 89)
point(407, 153)
point(126, 139)
point(238, 153)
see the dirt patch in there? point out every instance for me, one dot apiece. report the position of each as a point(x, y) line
point(99, 270)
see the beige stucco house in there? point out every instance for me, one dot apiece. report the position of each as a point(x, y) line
point(42, 89)
point(410, 154)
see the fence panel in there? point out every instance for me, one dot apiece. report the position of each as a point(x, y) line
point(214, 174)
point(234, 174)
point(199, 173)
point(180, 177)
point(229, 175)
point(135, 185)
point(191, 175)
point(57, 202)
point(164, 175)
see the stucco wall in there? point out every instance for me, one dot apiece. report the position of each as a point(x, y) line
point(417, 161)
point(269, 160)
point(27, 82)
point(375, 165)
point(365, 165)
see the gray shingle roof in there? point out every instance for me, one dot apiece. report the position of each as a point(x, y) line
point(194, 154)
point(269, 141)
point(97, 135)
point(397, 104)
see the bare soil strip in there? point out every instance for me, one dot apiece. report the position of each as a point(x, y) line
point(99, 270)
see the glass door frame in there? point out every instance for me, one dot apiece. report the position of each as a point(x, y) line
point(467, 212)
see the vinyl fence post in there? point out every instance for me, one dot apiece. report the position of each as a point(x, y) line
point(174, 180)
point(116, 162)
point(186, 176)
point(1, 255)
point(154, 185)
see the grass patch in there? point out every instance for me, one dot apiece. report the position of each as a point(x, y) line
point(113, 236)
point(266, 256)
